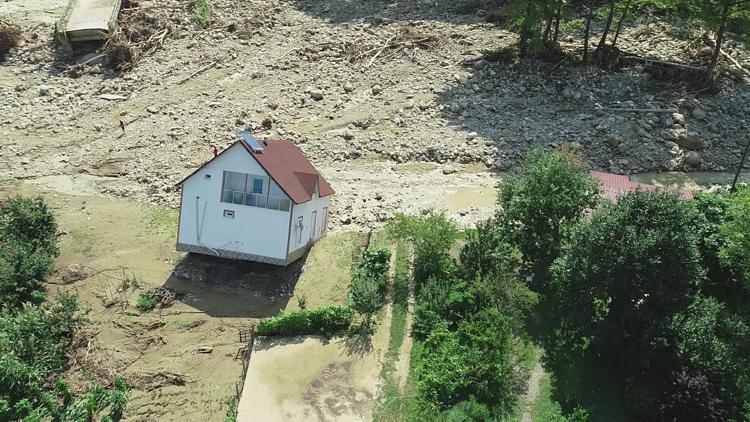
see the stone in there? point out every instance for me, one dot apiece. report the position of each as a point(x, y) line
point(613, 140)
point(669, 135)
point(73, 273)
point(449, 170)
point(622, 148)
point(348, 87)
point(45, 90)
point(699, 114)
point(471, 136)
point(678, 118)
point(316, 94)
point(152, 109)
point(692, 158)
point(376, 89)
point(690, 141)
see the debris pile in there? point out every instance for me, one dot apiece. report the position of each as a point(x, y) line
point(140, 31)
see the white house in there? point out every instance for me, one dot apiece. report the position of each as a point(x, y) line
point(258, 201)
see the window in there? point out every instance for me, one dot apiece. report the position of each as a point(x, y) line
point(248, 190)
point(257, 185)
point(324, 225)
point(228, 214)
point(299, 228)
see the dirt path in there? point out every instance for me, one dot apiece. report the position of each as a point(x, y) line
point(532, 391)
point(404, 353)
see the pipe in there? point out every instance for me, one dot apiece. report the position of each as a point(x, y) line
point(199, 225)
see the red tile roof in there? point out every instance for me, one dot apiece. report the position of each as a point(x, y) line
point(288, 166)
point(614, 185)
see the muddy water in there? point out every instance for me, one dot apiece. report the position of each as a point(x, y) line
point(691, 181)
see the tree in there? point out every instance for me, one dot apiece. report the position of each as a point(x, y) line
point(29, 221)
point(628, 271)
point(22, 274)
point(432, 235)
point(716, 14)
point(736, 233)
point(538, 207)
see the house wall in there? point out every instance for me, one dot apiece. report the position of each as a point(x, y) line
point(305, 210)
point(253, 233)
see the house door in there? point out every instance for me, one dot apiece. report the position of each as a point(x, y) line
point(313, 224)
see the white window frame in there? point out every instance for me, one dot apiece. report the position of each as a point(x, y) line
point(300, 228)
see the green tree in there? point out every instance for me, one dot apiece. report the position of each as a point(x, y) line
point(538, 207)
point(628, 271)
point(432, 235)
point(735, 252)
point(22, 274)
point(29, 222)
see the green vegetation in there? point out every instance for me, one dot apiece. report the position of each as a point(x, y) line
point(327, 321)
point(470, 358)
point(540, 23)
point(203, 16)
point(162, 220)
point(35, 335)
point(146, 302)
point(367, 294)
point(391, 402)
point(231, 415)
point(643, 313)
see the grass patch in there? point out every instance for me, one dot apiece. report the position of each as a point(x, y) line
point(162, 220)
point(327, 272)
point(81, 242)
point(395, 405)
point(203, 16)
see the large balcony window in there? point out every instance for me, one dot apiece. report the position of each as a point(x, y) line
point(252, 191)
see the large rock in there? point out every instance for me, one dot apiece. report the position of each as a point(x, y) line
point(692, 158)
point(73, 273)
point(613, 140)
point(690, 141)
point(678, 118)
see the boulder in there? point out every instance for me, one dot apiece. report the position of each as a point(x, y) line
point(692, 158)
point(699, 114)
point(73, 273)
point(690, 141)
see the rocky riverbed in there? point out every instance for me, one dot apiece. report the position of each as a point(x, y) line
point(393, 101)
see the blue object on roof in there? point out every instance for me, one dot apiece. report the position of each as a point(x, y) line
point(250, 141)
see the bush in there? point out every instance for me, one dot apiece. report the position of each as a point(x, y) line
point(368, 286)
point(145, 302)
point(472, 363)
point(736, 231)
point(27, 249)
point(327, 321)
point(203, 14)
point(432, 234)
point(10, 36)
point(505, 55)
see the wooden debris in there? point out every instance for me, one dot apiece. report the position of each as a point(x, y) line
point(735, 62)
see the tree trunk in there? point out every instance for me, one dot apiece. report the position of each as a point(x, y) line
point(719, 40)
point(524, 33)
point(619, 24)
point(607, 26)
point(589, 16)
point(557, 21)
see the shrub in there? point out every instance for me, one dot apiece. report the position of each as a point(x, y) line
point(736, 231)
point(203, 14)
point(432, 234)
point(473, 362)
point(328, 320)
point(368, 286)
point(29, 222)
point(504, 55)
point(145, 302)
point(10, 36)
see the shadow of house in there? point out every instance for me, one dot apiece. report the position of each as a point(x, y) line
point(232, 288)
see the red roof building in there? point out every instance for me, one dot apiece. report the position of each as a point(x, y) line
point(614, 185)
